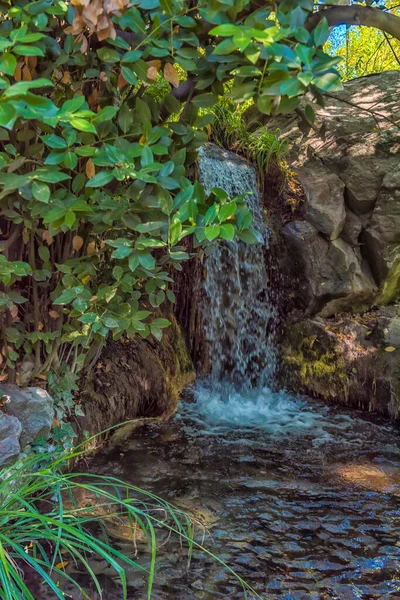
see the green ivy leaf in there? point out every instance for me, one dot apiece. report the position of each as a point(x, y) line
point(41, 191)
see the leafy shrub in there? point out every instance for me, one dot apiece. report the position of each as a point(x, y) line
point(99, 119)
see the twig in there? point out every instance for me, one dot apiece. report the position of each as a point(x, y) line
point(362, 108)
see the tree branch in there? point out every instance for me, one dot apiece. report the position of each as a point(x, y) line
point(357, 15)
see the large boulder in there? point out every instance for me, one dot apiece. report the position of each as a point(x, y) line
point(34, 409)
point(348, 166)
point(353, 361)
point(324, 192)
point(10, 431)
point(330, 276)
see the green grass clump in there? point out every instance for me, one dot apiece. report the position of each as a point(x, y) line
point(232, 131)
point(44, 527)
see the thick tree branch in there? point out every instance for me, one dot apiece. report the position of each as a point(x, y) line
point(357, 15)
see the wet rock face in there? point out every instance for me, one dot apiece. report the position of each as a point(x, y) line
point(350, 173)
point(350, 360)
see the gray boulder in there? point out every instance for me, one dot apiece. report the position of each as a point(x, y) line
point(33, 407)
point(331, 275)
point(10, 431)
point(324, 193)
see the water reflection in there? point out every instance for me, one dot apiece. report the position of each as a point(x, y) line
point(305, 516)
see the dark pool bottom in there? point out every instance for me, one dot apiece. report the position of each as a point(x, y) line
point(309, 514)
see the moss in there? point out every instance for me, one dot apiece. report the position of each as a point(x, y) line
point(316, 365)
point(391, 287)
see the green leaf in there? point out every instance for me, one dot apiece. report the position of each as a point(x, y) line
point(161, 323)
point(8, 63)
point(100, 179)
point(225, 30)
point(125, 118)
point(70, 218)
point(321, 32)
point(41, 191)
point(108, 55)
point(82, 125)
point(50, 176)
point(44, 253)
point(226, 211)
point(249, 236)
point(175, 231)
point(211, 232)
point(88, 318)
point(8, 115)
point(122, 252)
point(227, 232)
point(111, 322)
point(66, 297)
point(23, 50)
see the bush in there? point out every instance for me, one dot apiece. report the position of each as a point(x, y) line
point(95, 202)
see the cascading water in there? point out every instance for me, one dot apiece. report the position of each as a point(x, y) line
point(239, 315)
point(240, 320)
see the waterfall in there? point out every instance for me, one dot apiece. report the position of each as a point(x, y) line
point(239, 320)
point(239, 316)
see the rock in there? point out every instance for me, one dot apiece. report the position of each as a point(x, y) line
point(331, 275)
point(352, 228)
point(10, 431)
point(361, 149)
point(325, 199)
point(140, 378)
point(345, 359)
point(33, 407)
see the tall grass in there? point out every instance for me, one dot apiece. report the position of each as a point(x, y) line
point(232, 131)
point(44, 527)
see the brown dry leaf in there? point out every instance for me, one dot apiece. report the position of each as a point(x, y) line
point(171, 74)
point(1, 359)
point(108, 366)
point(3, 377)
point(55, 423)
point(31, 61)
point(77, 242)
point(103, 76)
point(122, 82)
point(26, 74)
point(54, 314)
point(91, 249)
point(66, 78)
point(40, 326)
point(46, 237)
point(99, 365)
point(18, 72)
point(14, 311)
point(41, 376)
point(152, 73)
point(90, 169)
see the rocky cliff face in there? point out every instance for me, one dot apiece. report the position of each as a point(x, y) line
point(343, 252)
point(347, 243)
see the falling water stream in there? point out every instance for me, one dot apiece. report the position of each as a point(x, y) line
point(302, 500)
